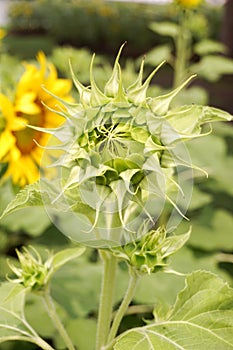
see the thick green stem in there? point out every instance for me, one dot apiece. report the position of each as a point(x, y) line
point(106, 298)
point(124, 305)
point(182, 43)
point(56, 320)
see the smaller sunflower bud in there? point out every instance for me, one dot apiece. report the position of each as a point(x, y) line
point(151, 253)
point(33, 272)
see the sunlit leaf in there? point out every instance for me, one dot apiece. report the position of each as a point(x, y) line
point(12, 320)
point(62, 257)
point(82, 333)
point(208, 46)
point(204, 68)
point(165, 28)
point(158, 54)
point(202, 317)
point(28, 197)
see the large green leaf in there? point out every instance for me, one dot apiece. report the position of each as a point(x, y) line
point(76, 287)
point(12, 321)
point(82, 333)
point(167, 286)
point(26, 220)
point(202, 318)
point(42, 323)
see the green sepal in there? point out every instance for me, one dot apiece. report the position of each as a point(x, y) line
point(84, 92)
point(120, 99)
point(138, 83)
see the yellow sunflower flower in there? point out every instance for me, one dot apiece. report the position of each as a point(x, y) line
point(189, 3)
point(17, 142)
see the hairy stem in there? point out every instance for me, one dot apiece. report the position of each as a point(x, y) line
point(124, 305)
point(43, 345)
point(56, 320)
point(106, 298)
point(223, 257)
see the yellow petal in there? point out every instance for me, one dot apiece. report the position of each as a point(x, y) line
point(6, 107)
point(29, 108)
point(52, 119)
point(23, 170)
point(42, 61)
point(7, 141)
point(13, 122)
point(26, 104)
point(60, 87)
point(17, 123)
point(30, 80)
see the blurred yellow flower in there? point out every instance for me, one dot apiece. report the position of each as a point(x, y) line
point(17, 142)
point(189, 3)
point(2, 33)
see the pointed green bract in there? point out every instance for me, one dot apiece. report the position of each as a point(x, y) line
point(97, 97)
point(160, 105)
point(138, 95)
point(112, 86)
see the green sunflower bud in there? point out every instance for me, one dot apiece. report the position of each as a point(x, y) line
point(118, 158)
point(33, 272)
point(152, 252)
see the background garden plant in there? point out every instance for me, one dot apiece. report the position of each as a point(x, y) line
point(42, 274)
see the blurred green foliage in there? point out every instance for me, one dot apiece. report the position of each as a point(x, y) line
point(98, 24)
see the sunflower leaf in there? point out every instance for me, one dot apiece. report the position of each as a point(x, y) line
point(12, 322)
point(201, 318)
point(29, 196)
point(65, 255)
point(165, 28)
